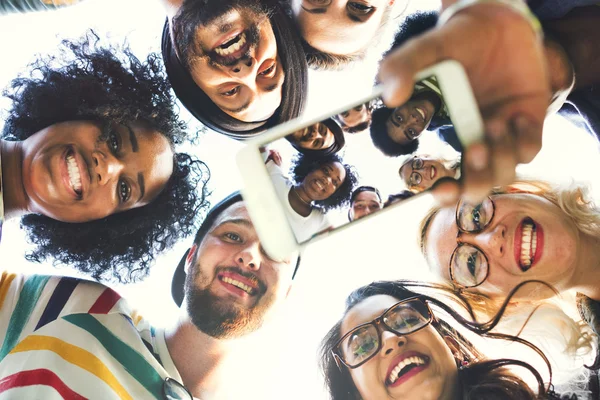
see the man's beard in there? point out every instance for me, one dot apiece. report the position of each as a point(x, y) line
point(222, 318)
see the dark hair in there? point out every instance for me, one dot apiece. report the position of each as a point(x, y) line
point(302, 165)
point(363, 126)
point(480, 378)
point(338, 144)
point(289, 50)
point(361, 189)
point(383, 141)
point(414, 25)
point(403, 195)
point(107, 85)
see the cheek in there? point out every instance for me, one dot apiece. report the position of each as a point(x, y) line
point(364, 379)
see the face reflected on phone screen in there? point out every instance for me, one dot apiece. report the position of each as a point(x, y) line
point(327, 176)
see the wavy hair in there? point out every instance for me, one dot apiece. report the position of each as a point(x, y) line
point(302, 165)
point(481, 378)
point(108, 85)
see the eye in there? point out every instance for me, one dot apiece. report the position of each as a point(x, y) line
point(233, 236)
point(231, 92)
point(114, 142)
point(345, 114)
point(268, 70)
point(360, 8)
point(123, 191)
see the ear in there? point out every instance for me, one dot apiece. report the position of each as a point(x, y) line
point(190, 257)
point(452, 344)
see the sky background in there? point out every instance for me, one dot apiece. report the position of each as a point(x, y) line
point(279, 361)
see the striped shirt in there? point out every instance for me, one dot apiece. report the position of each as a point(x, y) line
point(24, 6)
point(431, 84)
point(74, 339)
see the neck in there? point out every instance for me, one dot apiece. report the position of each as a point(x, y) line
point(13, 192)
point(200, 369)
point(299, 201)
point(586, 278)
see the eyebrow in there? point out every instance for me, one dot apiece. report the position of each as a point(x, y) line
point(238, 221)
point(134, 143)
point(315, 10)
point(142, 185)
point(238, 109)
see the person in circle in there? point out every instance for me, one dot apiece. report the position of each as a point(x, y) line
point(316, 186)
point(391, 344)
point(320, 139)
point(420, 172)
point(88, 162)
point(395, 131)
point(365, 200)
point(238, 66)
point(357, 119)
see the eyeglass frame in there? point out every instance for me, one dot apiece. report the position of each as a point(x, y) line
point(167, 381)
point(375, 322)
point(461, 244)
point(418, 169)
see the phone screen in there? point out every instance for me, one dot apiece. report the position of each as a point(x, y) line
point(356, 163)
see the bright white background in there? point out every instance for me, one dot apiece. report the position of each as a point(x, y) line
point(280, 361)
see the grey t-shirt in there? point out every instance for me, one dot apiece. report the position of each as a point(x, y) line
point(23, 6)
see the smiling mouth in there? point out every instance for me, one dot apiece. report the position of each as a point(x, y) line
point(318, 185)
point(407, 368)
point(234, 49)
point(432, 172)
point(238, 284)
point(529, 243)
point(74, 173)
point(421, 112)
point(232, 45)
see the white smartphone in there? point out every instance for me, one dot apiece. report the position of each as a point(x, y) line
point(308, 178)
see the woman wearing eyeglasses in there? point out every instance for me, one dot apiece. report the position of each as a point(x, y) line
point(420, 172)
point(391, 345)
point(528, 230)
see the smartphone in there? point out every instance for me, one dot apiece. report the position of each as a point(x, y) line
point(300, 178)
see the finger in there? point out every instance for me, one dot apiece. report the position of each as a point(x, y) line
point(398, 69)
point(528, 133)
point(477, 175)
point(503, 157)
point(446, 192)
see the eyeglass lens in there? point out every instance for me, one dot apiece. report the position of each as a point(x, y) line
point(468, 265)
point(402, 319)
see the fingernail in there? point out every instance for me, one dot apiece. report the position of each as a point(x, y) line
point(477, 157)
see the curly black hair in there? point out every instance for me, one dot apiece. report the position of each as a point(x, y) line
point(302, 165)
point(381, 139)
point(106, 85)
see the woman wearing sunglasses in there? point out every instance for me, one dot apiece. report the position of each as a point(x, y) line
point(420, 172)
point(390, 345)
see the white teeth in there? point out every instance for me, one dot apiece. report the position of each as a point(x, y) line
point(420, 112)
point(528, 244)
point(233, 47)
point(239, 284)
point(73, 171)
point(416, 360)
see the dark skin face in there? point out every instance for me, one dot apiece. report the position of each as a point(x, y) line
point(70, 175)
point(407, 122)
point(321, 183)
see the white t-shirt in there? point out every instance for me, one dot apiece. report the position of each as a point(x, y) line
point(304, 227)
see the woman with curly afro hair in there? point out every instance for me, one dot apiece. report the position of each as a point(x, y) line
point(89, 161)
point(319, 184)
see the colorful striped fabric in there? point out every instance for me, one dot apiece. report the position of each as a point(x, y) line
point(431, 84)
point(67, 338)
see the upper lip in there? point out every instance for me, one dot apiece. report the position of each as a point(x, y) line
point(399, 359)
point(253, 283)
point(84, 169)
point(233, 58)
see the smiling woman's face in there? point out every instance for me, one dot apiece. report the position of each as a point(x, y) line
point(71, 176)
point(341, 27)
point(238, 66)
point(321, 183)
point(528, 238)
point(436, 381)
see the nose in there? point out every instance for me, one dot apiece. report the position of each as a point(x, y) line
point(390, 341)
point(249, 257)
point(492, 240)
point(106, 167)
point(244, 67)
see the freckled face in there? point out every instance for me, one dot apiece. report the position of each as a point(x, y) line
point(71, 175)
point(504, 241)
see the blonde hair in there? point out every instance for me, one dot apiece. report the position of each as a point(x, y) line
point(448, 163)
point(546, 320)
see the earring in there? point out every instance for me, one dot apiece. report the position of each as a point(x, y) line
point(461, 361)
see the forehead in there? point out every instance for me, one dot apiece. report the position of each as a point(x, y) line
point(340, 169)
point(366, 196)
point(237, 212)
point(367, 310)
point(440, 240)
